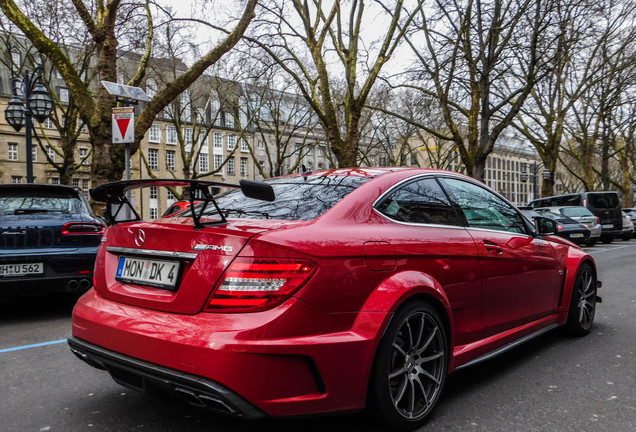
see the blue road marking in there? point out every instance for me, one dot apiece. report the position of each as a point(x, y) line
point(23, 347)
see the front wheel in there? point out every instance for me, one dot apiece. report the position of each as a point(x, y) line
point(583, 303)
point(410, 367)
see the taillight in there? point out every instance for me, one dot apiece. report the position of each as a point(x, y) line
point(256, 284)
point(559, 227)
point(82, 228)
point(598, 220)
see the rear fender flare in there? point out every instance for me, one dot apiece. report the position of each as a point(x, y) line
point(405, 286)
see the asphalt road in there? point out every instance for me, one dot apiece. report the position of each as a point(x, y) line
point(554, 383)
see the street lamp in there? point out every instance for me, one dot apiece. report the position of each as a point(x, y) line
point(534, 168)
point(38, 104)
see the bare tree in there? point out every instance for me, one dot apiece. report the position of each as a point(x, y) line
point(323, 48)
point(480, 60)
point(108, 22)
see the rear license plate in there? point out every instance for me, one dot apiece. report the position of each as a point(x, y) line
point(10, 270)
point(607, 226)
point(142, 271)
point(576, 235)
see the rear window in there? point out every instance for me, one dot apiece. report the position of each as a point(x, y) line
point(576, 212)
point(15, 202)
point(603, 200)
point(297, 198)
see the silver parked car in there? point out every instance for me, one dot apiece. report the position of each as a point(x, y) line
point(628, 226)
point(581, 215)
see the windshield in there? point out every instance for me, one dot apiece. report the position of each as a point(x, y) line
point(297, 198)
point(14, 202)
point(604, 200)
point(576, 211)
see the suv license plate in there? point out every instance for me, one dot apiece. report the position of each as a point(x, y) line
point(142, 271)
point(607, 226)
point(10, 270)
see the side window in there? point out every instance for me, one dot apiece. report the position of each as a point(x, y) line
point(421, 201)
point(483, 209)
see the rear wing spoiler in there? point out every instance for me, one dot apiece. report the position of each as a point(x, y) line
point(119, 209)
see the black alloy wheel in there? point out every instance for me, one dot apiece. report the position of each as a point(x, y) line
point(410, 367)
point(583, 303)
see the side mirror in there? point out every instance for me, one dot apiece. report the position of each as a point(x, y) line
point(545, 226)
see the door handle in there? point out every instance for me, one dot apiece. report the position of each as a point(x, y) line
point(493, 248)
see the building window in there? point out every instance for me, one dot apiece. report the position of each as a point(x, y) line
point(229, 120)
point(244, 147)
point(244, 166)
point(242, 119)
point(186, 107)
point(48, 123)
point(171, 135)
point(154, 134)
point(154, 213)
point(169, 194)
point(16, 60)
point(151, 87)
point(187, 136)
point(218, 140)
point(230, 166)
point(204, 163)
point(55, 180)
point(231, 142)
point(153, 193)
point(76, 182)
point(170, 159)
point(260, 144)
point(85, 184)
point(64, 95)
point(13, 151)
point(153, 159)
point(218, 161)
point(51, 153)
point(16, 179)
point(83, 154)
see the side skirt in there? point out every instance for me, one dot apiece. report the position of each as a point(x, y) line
point(508, 347)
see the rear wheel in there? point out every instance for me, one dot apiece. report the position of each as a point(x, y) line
point(410, 367)
point(607, 239)
point(583, 302)
point(592, 242)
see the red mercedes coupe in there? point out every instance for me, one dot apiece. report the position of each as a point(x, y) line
point(324, 292)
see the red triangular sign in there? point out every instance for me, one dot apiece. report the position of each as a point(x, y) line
point(122, 124)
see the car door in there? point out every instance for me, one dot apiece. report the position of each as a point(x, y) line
point(520, 272)
point(428, 236)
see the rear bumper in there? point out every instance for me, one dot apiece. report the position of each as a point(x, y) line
point(64, 271)
point(290, 360)
point(140, 375)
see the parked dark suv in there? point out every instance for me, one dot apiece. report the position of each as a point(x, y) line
point(48, 239)
point(605, 205)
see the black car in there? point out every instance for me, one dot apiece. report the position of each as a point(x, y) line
point(48, 239)
point(567, 227)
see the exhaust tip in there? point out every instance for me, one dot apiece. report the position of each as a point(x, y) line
point(72, 284)
point(85, 284)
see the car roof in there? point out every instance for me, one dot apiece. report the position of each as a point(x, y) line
point(39, 186)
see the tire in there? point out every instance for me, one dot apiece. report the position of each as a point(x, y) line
point(607, 239)
point(410, 367)
point(583, 302)
point(592, 242)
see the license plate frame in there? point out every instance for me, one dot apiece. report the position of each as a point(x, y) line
point(24, 269)
point(607, 226)
point(149, 272)
point(577, 235)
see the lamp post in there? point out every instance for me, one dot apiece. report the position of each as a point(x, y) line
point(534, 169)
point(38, 104)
